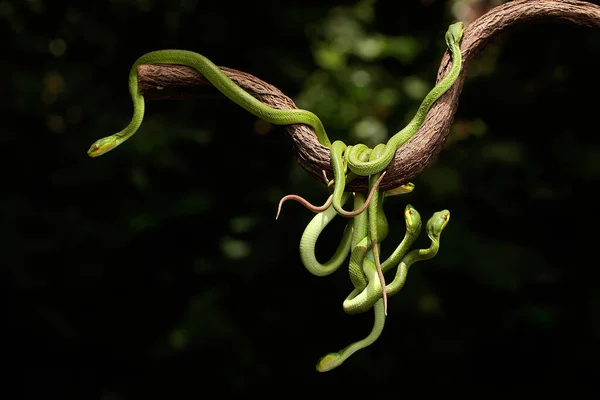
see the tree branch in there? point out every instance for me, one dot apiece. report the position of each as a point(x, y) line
point(161, 82)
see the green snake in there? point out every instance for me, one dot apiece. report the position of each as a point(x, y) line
point(372, 166)
point(362, 161)
point(334, 360)
point(378, 224)
point(365, 232)
point(366, 162)
point(435, 226)
point(355, 230)
point(221, 81)
point(362, 300)
point(358, 300)
point(309, 239)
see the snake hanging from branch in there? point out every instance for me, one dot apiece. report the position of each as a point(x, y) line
point(367, 225)
point(363, 161)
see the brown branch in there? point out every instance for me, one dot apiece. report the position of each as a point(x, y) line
point(159, 82)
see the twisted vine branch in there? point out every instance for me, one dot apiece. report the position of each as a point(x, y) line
point(161, 82)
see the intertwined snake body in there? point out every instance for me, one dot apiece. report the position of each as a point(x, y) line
point(363, 235)
point(435, 226)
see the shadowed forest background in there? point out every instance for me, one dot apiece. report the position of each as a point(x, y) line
point(159, 268)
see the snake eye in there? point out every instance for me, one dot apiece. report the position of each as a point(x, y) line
point(96, 147)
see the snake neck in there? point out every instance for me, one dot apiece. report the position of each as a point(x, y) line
point(408, 260)
point(434, 94)
point(430, 252)
point(395, 258)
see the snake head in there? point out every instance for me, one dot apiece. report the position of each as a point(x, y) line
point(413, 219)
point(403, 189)
point(454, 33)
point(102, 146)
point(328, 362)
point(437, 223)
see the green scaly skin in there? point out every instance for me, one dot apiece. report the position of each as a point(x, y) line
point(221, 81)
point(363, 301)
point(363, 161)
point(355, 268)
point(334, 360)
point(362, 262)
point(413, 222)
point(360, 300)
point(378, 225)
point(338, 164)
point(366, 168)
point(339, 174)
point(361, 236)
point(434, 228)
point(309, 239)
point(359, 233)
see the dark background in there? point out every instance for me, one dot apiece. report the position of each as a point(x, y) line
point(158, 269)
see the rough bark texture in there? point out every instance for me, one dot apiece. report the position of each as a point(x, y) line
point(161, 82)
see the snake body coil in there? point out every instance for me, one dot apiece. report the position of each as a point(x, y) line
point(365, 232)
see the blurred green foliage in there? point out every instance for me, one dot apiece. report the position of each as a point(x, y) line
point(159, 269)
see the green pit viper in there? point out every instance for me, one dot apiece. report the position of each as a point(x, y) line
point(365, 233)
point(368, 292)
point(362, 161)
